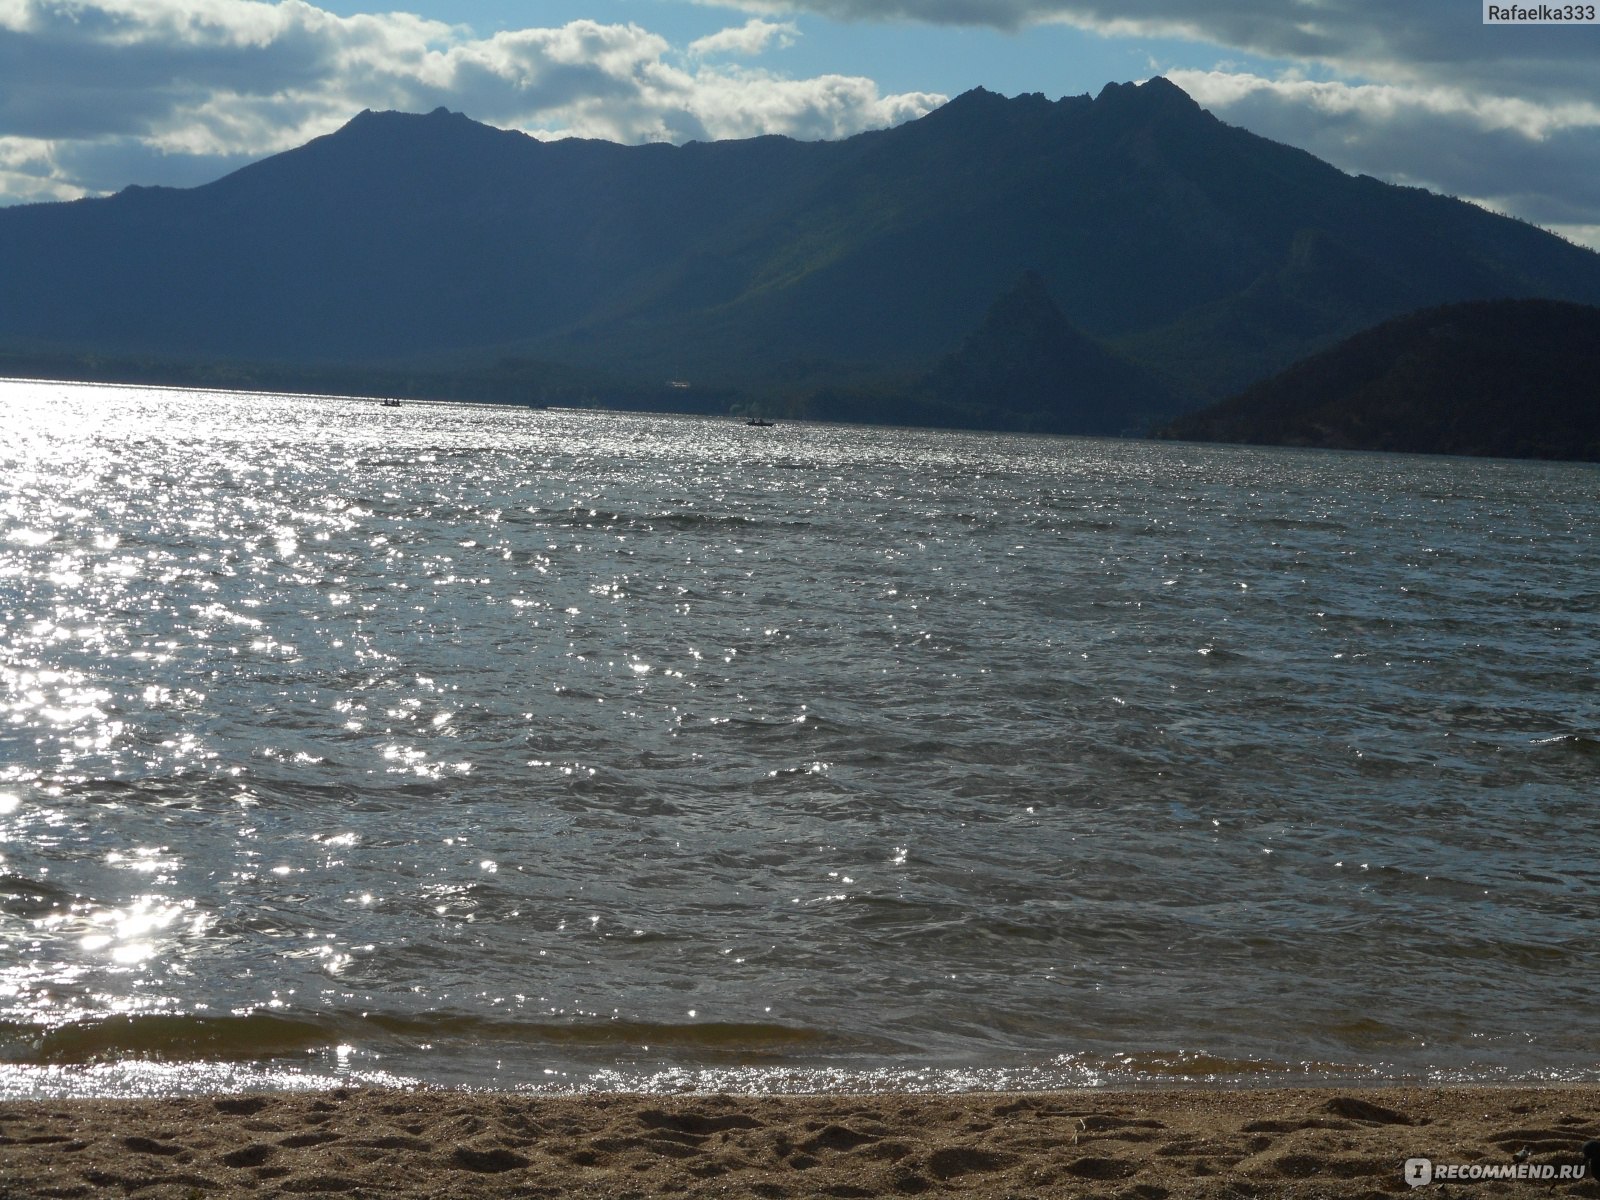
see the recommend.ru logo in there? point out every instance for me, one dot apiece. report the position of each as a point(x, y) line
point(1420, 1172)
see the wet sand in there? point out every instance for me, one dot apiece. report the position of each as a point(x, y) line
point(1131, 1145)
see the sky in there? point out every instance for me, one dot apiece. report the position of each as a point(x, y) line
point(99, 94)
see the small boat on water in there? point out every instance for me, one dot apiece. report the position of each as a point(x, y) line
point(758, 423)
point(390, 403)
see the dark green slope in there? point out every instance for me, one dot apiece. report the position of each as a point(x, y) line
point(1507, 378)
point(1382, 252)
point(1322, 290)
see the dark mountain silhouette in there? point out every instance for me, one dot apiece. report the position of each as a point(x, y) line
point(432, 244)
point(1023, 368)
point(1026, 367)
point(1508, 378)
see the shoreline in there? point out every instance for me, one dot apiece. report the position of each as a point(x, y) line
point(1148, 1144)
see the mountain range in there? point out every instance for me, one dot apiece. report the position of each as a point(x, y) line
point(1183, 257)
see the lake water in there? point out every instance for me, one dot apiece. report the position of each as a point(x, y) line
point(561, 749)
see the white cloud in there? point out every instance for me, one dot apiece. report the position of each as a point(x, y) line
point(747, 40)
point(829, 106)
point(1583, 235)
point(1532, 160)
point(28, 172)
point(101, 93)
point(1420, 41)
point(1380, 103)
point(999, 14)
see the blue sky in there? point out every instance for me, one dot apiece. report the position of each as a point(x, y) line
point(900, 55)
point(98, 94)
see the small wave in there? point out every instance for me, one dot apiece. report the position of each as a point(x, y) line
point(1300, 524)
point(162, 792)
point(1570, 743)
point(697, 1036)
point(31, 898)
point(685, 521)
point(897, 913)
point(591, 518)
point(752, 727)
point(1191, 1066)
point(1054, 524)
point(163, 1036)
point(264, 1035)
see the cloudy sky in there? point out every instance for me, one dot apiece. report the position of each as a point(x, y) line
point(98, 94)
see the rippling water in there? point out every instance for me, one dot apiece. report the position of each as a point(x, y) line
point(578, 749)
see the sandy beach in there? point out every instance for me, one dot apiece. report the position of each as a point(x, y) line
point(1145, 1145)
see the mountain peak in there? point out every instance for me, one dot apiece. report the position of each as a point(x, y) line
point(976, 95)
point(367, 120)
point(1163, 90)
point(979, 108)
point(1028, 304)
point(974, 102)
point(1156, 94)
point(1025, 354)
